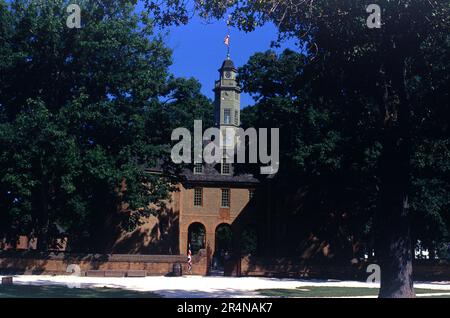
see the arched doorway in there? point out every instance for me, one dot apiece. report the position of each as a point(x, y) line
point(196, 237)
point(223, 246)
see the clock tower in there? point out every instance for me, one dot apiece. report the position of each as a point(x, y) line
point(227, 103)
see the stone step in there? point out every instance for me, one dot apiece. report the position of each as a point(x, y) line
point(115, 273)
point(136, 273)
point(95, 273)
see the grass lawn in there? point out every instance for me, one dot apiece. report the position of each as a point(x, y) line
point(317, 291)
point(55, 291)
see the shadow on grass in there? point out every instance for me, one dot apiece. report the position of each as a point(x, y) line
point(212, 293)
point(316, 291)
point(54, 291)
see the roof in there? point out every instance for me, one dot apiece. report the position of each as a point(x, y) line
point(228, 65)
point(211, 174)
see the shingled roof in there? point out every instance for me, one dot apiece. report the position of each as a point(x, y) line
point(211, 174)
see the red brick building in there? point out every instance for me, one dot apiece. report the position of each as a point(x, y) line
point(213, 199)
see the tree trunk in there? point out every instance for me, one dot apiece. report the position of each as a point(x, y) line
point(395, 249)
point(393, 224)
point(43, 214)
point(393, 220)
point(43, 223)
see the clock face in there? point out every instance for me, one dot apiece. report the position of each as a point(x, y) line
point(227, 74)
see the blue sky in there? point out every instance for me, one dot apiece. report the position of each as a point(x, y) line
point(198, 50)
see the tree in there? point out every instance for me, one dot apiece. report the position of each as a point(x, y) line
point(80, 120)
point(383, 75)
point(327, 154)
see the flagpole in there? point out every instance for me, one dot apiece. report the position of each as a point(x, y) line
point(189, 257)
point(228, 30)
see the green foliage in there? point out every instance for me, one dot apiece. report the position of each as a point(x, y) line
point(334, 151)
point(339, 103)
point(365, 112)
point(249, 242)
point(82, 116)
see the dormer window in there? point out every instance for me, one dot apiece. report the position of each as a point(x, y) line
point(198, 168)
point(226, 168)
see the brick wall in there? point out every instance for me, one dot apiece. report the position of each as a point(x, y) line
point(38, 263)
point(294, 267)
point(211, 214)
